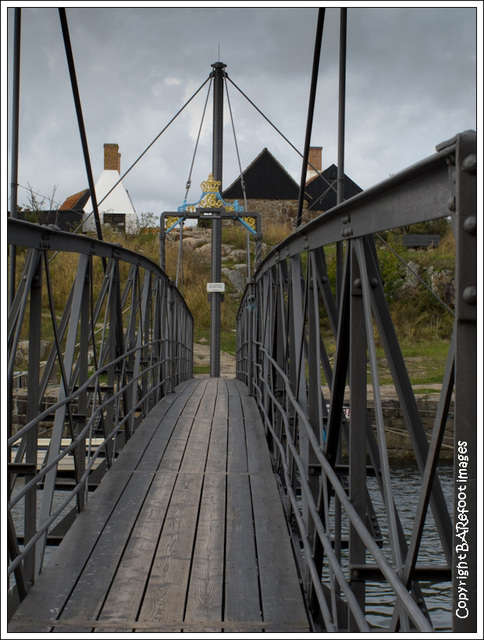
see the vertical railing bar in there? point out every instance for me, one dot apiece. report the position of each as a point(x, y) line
point(137, 361)
point(56, 437)
point(380, 427)
point(104, 346)
point(112, 352)
point(340, 369)
point(429, 472)
point(357, 431)
point(315, 399)
point(35, 329)
point(17, 320)
point(406, 397)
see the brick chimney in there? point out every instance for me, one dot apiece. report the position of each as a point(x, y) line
point(112, 157)
point(315, 159)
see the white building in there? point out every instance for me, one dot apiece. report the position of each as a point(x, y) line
point(116, 209)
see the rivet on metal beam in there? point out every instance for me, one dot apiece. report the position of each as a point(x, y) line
point(470, 225)
point(469, 163)
point(451, 204)
point(470, 294)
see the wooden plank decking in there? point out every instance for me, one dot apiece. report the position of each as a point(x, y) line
point(185, 533)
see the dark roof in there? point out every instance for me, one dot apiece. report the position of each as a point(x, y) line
point(323, 191)
point(265, 178)
point(76, 202)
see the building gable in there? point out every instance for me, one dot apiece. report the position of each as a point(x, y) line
point(323, 190)
point(265, 178)
point(76, 202)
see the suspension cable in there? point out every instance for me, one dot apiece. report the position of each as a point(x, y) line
point(80, 119)
point(189, 181)
point(138, 159)
point(150, 145)
point(242, 182)
point(320, 175)
point(312, 100)
point(415, 274)
point(331, 186)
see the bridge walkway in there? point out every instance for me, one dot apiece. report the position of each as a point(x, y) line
point(185, 533)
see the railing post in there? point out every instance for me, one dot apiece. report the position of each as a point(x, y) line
point(60, 414)
point(33, 404)
point(171, 337)
point(80, 418)
point(250, 319)
point(92, 319)
point(162, 242)
point(357, 435)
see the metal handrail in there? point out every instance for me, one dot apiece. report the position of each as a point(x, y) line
point(282, 356)
point(142, 351)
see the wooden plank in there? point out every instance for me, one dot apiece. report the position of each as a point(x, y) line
point(51, 591)
point(154, 451)
point(88, 595)
point(197, 390)
point(126, 591)
point(195, 455)
point(205, 593)
point(176, 447)
point(48, 596)
point(282, 601)
point(217, 451)
point(235, 406)
point(242, 599)
point(167, 572)
point(222, 400)
point(164, 600)
point(207, 404)
point(237, 449)
point(150, 459)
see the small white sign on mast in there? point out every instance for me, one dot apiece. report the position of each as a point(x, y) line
point(216, 287)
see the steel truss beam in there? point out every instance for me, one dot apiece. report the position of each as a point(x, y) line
point(305, 350)
point(119, 338)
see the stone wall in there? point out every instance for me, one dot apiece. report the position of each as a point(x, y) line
point(278, 211)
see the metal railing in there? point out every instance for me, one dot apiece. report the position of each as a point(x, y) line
point(117, 336)
point(306, 348)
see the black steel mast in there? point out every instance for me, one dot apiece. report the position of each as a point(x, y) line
point(218, 75)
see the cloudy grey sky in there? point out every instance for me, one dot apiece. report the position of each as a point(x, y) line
point(411, 83)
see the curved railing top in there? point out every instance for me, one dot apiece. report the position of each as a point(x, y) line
point(417, 194)
point(47, 238)
point(93, 355)
point(310, 327)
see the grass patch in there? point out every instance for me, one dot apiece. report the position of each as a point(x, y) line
point(425, 362)
point(201, 370)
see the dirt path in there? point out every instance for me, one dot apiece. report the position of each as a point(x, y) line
point(201, 358)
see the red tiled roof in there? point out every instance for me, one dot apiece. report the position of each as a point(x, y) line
point(73, 203)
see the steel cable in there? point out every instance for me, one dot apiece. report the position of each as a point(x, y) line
point(312, 99)
point(149, 146)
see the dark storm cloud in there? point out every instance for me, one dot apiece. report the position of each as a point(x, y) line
point(411, 83)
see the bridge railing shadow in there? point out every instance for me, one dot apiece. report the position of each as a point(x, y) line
point(97, 335)
point(307, 350)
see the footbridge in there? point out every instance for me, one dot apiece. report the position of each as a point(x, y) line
point(144, 498)
point(240, 504)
